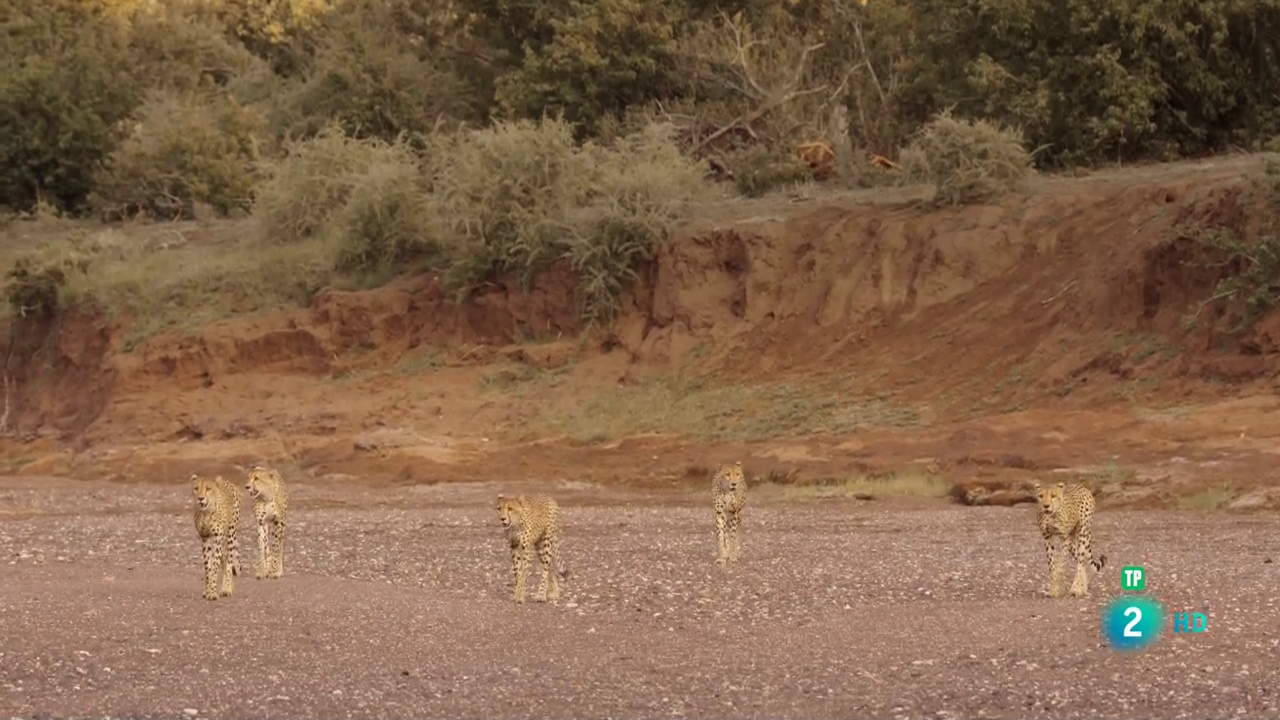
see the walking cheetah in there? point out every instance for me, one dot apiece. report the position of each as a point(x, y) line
point(270, 506)
point(531, 521)
point(217, 515)
point(1066, 511)
point(728, 494)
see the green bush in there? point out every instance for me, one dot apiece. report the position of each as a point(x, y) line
point(644, 185)
point(374, 77)
point(66, 86)
point(966, 161)
point(521, 195)
point(605, 56)
point(760, 169)
point(386, 222)
point(183, 46)
point(504, 195)
point(34, 285)
point(366, 196)
point(186, 148)
point(310, 186)
point(1248, 285)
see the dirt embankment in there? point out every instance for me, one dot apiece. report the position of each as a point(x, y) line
point(1066, 301)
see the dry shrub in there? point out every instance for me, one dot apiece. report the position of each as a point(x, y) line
point(182, 45)
point(366, 196)
point(504, 195)
point(311, 185)
point(760, 169)
point(386, 221)
point(643, 186)
point(185, 148)
point(518, 196)
point(967, 161)
point(377, 69)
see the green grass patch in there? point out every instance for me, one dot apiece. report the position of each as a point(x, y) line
point(162, 279)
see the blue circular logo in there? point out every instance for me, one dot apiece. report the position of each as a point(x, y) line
point(1132, 623)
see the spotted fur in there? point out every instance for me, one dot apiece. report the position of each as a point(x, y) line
point(1066, 512)
point(271, 513)
point(217, 513)
point(531, 521)
point(729, 495)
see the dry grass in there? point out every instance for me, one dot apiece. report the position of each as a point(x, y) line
point(176, 276)
point(701, 409)
point(967, 160)
point(1213, 498)
point(865, 486)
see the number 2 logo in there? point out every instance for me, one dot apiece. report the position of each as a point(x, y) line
point(1136, 614)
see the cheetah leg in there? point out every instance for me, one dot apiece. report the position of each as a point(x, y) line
point(1080, 551)
point(544, 557)
point(735, 536)
point(1055, 568)
point(522, 572)
point(229, 562)
point(550, 555)
point(722, 554)
point(211, 549)
point(260, 569)
point(233, 546)
point(276, 567)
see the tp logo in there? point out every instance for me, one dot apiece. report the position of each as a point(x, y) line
point(1132, 623)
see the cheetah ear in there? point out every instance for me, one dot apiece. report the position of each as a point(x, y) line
point(719, 467)
point(238, 467)
point(738, 465)
point(501, 497)
point(1061, 485)
point(1034, 485)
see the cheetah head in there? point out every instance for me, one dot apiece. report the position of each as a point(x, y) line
point(733, 476)
point(1050, 498)
point(508, 511)
point(203, 489)
point(256, 485)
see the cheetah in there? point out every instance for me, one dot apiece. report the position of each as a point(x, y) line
point(728, 494)
point(217, 514)
point(270, 506)
point(531, 521)
point(1066, 511)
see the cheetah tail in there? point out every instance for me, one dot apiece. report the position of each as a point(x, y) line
point(1100, 563)
point(563, 569)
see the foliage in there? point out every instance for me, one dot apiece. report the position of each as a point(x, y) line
point(386, 222)
point(967, 160)
point(362, 131)
point(367, 197)
point(34, 287)
point(1111, 80)
point(65, 86)
point(759, 169)
point(306, 189)
point(520, 195)
point(185, 148)
point(181, 47)
point(604, 56)
point(375, 70)
point(1248, 284)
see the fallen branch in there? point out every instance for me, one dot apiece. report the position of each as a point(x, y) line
point(1058, 294)
point(1212, 299)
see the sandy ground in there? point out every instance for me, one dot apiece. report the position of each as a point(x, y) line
point(396, 603)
